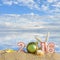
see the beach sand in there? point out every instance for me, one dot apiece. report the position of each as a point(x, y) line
point(26, 56)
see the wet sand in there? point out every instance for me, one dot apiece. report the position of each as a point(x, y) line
point(26, 56)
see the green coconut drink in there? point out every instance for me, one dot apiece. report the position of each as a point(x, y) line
point(32, 47)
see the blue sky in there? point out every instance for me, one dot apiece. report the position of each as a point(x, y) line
point(40, 7)
point(22, 19)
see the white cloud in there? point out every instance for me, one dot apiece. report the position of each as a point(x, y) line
point(52, 6)
point(6, 37)
point(51, 1)
point(13, 38)
point(7, 2)
point(44, 7)
point(27, 22)
point(57, 5)
point(29, 3)
point(8, 24)
point(15, 2)
point(56, 46)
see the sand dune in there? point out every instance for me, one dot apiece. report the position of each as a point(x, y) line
point(26, 56)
